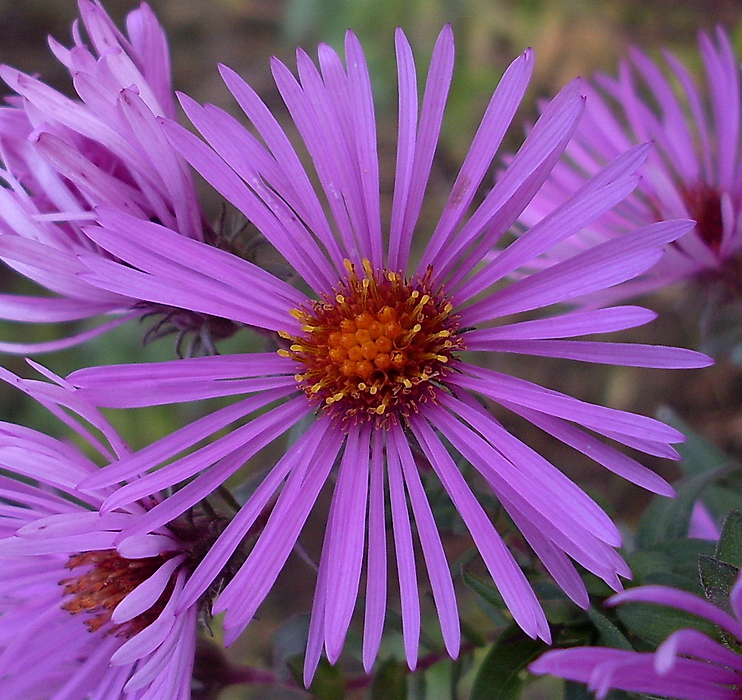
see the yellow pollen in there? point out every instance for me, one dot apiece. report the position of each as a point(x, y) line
point(377, 346)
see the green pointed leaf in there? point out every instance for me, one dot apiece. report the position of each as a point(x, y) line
point(717, 578)
point(722, 498)
point(698, 454)
point(654, 623)
point(492, 600)
point(729, 548)
point(610, 635)
point(459, 668)
point(673, 563)
point(501, 675)
point(328, 683)
point(717, 574)
point(669, 518)
point(390, 681)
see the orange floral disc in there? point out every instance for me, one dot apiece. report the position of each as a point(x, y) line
point(378, 348)
point(108, 580)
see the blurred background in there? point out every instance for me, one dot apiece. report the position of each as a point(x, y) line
point(570, 37)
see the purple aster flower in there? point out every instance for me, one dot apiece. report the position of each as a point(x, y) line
point(370, 371)
point(687, 665)
point(694, 170)
point(81, 616)
point(63, 157)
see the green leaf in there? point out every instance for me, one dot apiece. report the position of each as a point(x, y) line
point(729, 548)
point(459, 668)
point(698, 455)
point(673, 563)
point(493, 602)
point(669, 518)
point(419, 686)
point(654, 623)
point(717, 578)
point(610, 635)
point(472, 634)
point(390, 681)
point(717, 574)
point(500, 675)
point(328, 683)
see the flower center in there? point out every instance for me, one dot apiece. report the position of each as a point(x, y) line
point(108, 580)
point(377, 349)
point(704, 205)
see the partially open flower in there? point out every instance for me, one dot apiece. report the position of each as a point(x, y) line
point(688, 665)
point(64, 157)
point(83, 614)
point(694, 170)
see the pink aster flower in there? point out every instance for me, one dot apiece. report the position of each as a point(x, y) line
point(688, 665)
point(694, 170)
point(81, 617)
point(62, 157)
point(371, 361)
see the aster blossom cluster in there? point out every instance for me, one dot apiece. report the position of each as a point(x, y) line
point(64, 157)
point(64, 579)
point(370, 394)
point(688, 664)
point(694, 170)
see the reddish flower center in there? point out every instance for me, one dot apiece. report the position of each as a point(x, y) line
point(108, 580)
point(377, 348)
point(704, 205)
